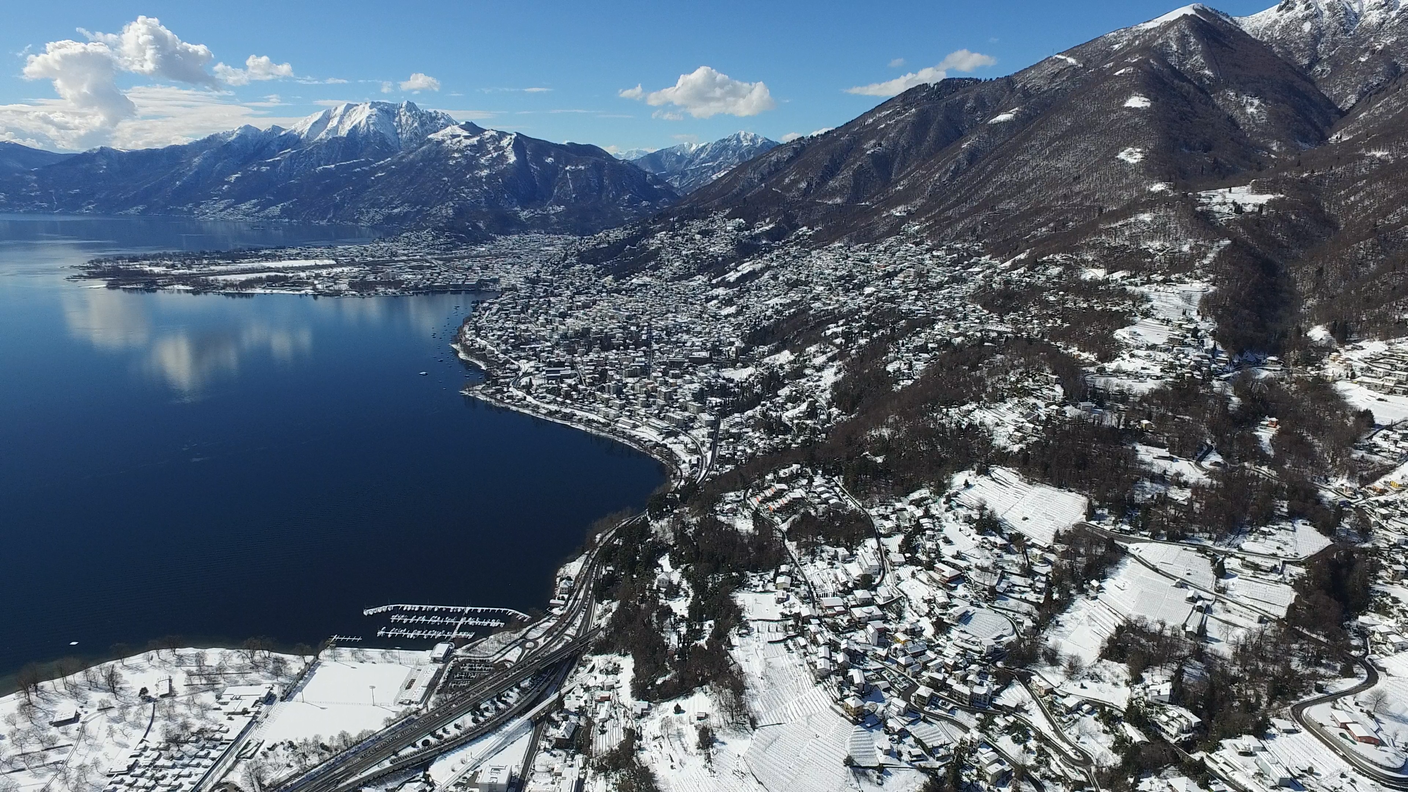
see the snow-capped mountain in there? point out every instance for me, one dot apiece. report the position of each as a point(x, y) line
point(632, 154)
point(689, 166)
point(372, 163)
point(1350, 47)
point(403, 126)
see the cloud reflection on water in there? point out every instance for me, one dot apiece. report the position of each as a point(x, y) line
point(185, 355)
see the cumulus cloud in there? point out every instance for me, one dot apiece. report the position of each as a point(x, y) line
point(257, 68)
point(961, 61)
point(791, 136)
point(420, 82)
point(92, 108)
point(147, 47)
point(85, 76)
point(163, 115)
point(706, 92)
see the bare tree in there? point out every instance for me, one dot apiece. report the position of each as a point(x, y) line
point(112, 677)
point(1074, 666)
point(1377, 700)
point(28, 679)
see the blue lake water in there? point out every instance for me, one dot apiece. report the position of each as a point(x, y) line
point(219, 468)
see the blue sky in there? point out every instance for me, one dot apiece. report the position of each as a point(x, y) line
point(560, 71)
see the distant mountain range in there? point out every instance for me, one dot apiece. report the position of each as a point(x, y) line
point(372, 163)
point(1268, 153)
point(689, 166)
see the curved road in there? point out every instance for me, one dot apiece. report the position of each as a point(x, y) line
point(1365, 767)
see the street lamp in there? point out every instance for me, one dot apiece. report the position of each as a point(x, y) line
point(373, 687)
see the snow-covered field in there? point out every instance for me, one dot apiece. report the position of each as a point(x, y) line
point(159, 720)
point(1036, 510)
point(1132, 590)
point(1387, 408)
point(347, 694)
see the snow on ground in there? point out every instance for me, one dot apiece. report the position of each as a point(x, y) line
point(1333, 715)
point(1131, 155)
point(80, 728)
point(1011, 421)
point(1393, 712)
point(1132, 590)
point(1299, 750)
point(1147, 332)
point(1387, 408)
point(801, 740)
point(1161, 461)
point(1266, 595)
point(1137, 101)
point(503, 749)
point(1104, 682)
point(339, 696)
point(1181, 562)
point(1036, 510)
point(1294, 541)
point(1229, 200)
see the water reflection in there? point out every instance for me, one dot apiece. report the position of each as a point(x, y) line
point(188, 362)
point(186, 353)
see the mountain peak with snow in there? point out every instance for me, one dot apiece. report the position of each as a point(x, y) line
point(404, 126)
point(1193, 10)
point(1349, 47)
point(690, 166)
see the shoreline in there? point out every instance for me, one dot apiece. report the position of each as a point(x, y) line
point(672, 463)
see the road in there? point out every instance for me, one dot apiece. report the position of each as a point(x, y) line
point(1298, 711)
point(567, 635)
point(874, 528)
point(1365, 767)
point(1128, 539)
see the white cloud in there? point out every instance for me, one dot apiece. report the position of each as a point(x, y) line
point(897, 63)
point(167, 115)
point(704, 93)
point(962, 61)
point(536, 89)
point(162, 115)
point(147, 47)
point(791, 136)
point(420, 82)
point(91, 108)
point(257, 68)
point(387, 87)
point(85, 76)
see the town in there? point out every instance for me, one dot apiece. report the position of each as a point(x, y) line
point(987, 627)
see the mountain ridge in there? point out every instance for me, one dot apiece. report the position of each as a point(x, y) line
point(371, 163)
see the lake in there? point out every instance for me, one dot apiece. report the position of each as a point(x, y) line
point(219, 468)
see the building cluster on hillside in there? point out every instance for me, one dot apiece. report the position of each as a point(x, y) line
point(906, 633)
point(875, 658)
